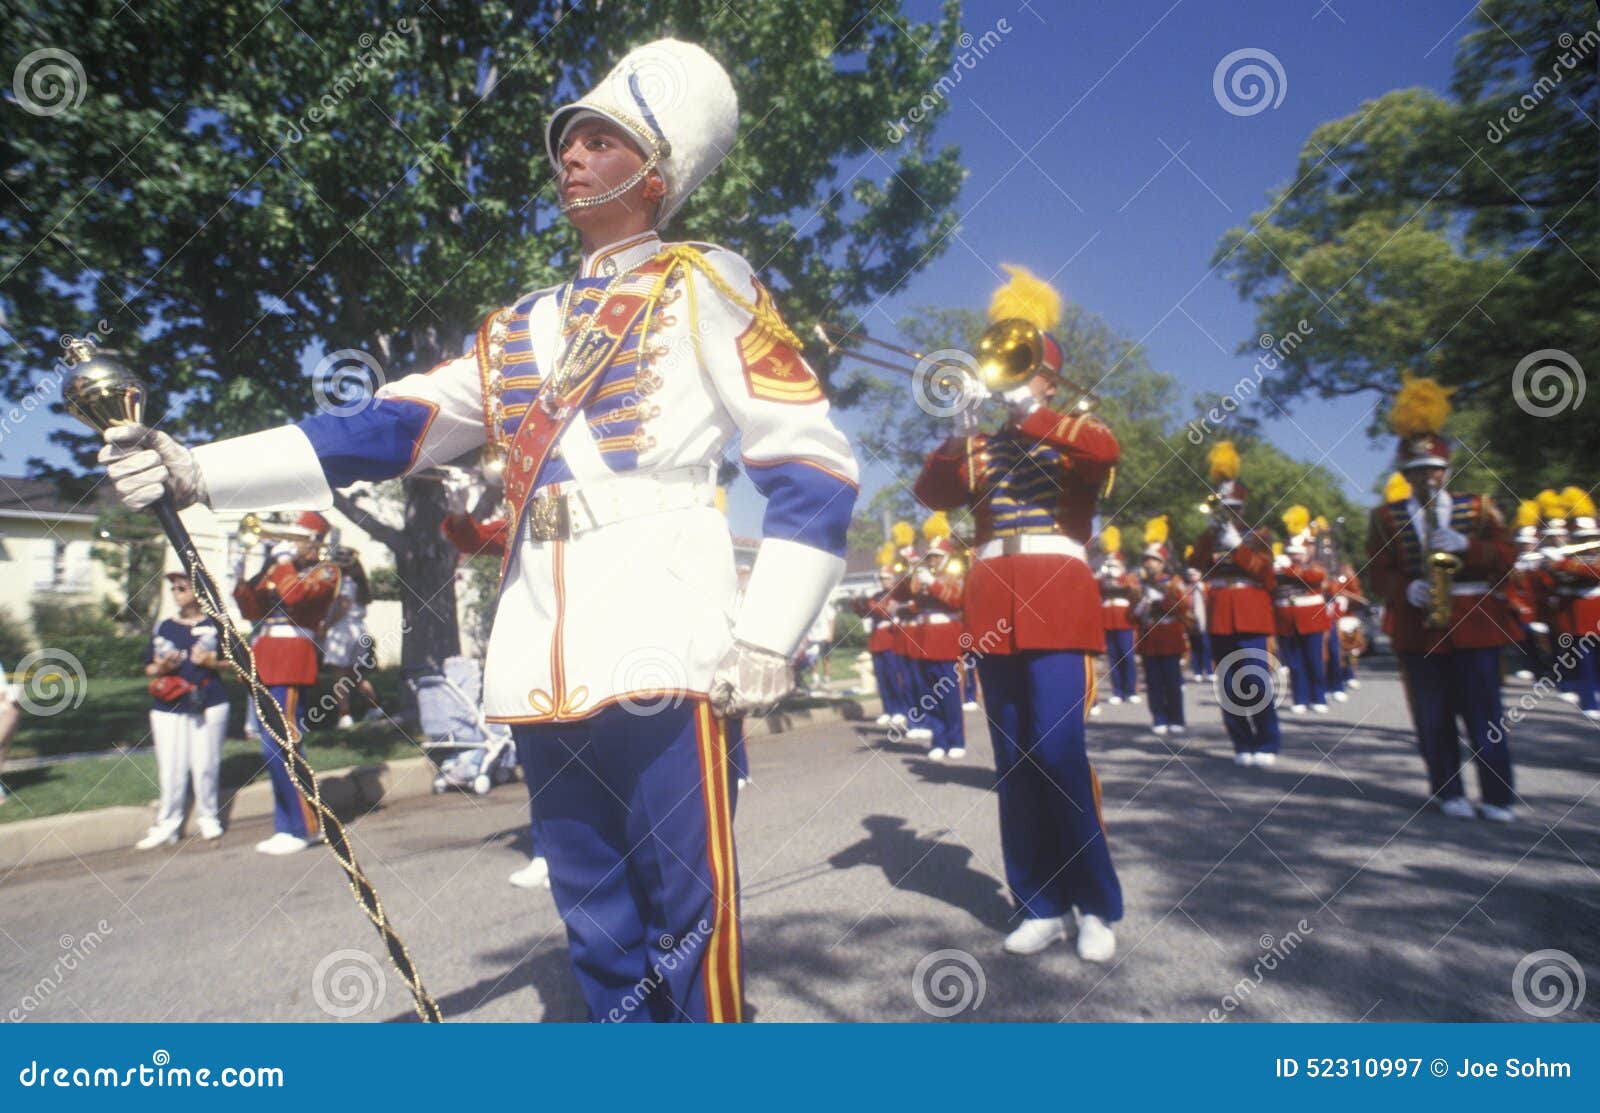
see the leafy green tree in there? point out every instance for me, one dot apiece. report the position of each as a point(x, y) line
point(1455, 237)
point(240, 188)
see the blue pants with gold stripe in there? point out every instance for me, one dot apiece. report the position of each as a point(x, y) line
point(636, 820)
point(1464, 685)
point(291, 813)
point(1051, 835)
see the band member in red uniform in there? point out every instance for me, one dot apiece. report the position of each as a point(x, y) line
point(934, 644)
point(1302, 615)
point(1574, 579)
point(1118, 590)
point(1159, 611)
point(1031, 608)
point(1236, 561)
point(1346, 641)
point(1448, 630)
point(1523, 589)
point(1195, 619)
point(288, 600)
point(875, 612)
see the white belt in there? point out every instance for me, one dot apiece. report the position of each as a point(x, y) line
point(1579, 592)
point(1115, 602)
point(1302, 601)
point(937, 619)
point(1477, 588)
point(1031, 544)
point(590, 505)
point(284, 630)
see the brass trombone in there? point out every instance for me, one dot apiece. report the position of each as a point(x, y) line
point(1009, 354)
point(253, 530)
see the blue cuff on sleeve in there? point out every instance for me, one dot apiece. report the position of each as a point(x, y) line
point(376, 444)
point(804, 504)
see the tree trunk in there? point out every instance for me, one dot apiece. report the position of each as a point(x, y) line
point(426, 563)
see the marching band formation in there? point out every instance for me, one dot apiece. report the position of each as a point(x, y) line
point(606, 403)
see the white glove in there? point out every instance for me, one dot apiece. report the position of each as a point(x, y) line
point(1418, 594)
point(282, 551)
point(1279, 563)
point(923, 578)
point(1020, 401)
point(142, 463)
point(1228, 536)
point(969, 405)
point(749, 681)
point(1154, 595)
point(458, 492)
point(1447, 540)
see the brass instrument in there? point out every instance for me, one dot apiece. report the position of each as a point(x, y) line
point(253, 530)
point(1009, 354)
point(1214, 504)
point(1439, 567)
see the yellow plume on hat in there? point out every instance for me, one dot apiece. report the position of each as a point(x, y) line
point(904, 533)
point(1111, 540)
point(1579, 504)
point(1156, 531)
point(1188, 551)
point(1421, 407)
point(1296, 519)
point(1223, 461)
point(1551, 505)
point(1027, 296)
point(886, 554)
point(1321, 522)
point(1527, 513)
point(936, 527)
point(1277, 548)
point(1397, 489)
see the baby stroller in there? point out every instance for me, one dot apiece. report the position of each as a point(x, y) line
point(471, 751)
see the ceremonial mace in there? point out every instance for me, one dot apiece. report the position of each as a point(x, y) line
point(102, 393)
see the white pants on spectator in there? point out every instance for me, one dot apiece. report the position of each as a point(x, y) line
point(188, 746)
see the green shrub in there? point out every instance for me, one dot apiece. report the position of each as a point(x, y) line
point(103, 654)
point(14, 639)
point(54, 619)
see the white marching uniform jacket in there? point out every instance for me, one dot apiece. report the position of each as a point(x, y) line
point(619, 582)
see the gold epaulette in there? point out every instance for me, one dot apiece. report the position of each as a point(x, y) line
point(686, 256)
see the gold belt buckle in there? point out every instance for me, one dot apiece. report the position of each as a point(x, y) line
point(547, 518)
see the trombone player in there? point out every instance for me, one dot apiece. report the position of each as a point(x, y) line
point(1440, 560)
point(1031, 601)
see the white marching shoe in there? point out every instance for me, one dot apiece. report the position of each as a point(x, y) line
point(1035, 935)
point(883, 720)
point(1524, 674)
point(1342, 697)
point(1177, 728)
point(1160, 728)
point(1244, 757)
point(1570, 697)
point(1096, 942)
point(919, 734)
point(1136, 698)
point(1266, 760)
point(1592, 713)
point(936, 754)
point(1298, 709)
point(970, 705)
point(1496, 813)
point(1115, 699)
point(156, 836)
point(1353, 685)
point(1320, 708)
point(898, 720)
point(1095, 711)
point(956, 753)
point(534, 875)
point(284, 843)
point(1458, 807)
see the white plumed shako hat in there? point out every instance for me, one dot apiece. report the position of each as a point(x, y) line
point(676, 101)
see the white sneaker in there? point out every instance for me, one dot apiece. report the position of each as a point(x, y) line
point(883, 720)
point(1570, 697)
point(1496, 813)
point(1353, 685)
point(1199, 678)
point(1320, 708)
point(1160, 728)
point(956, 753)
point(1298, 709)
point(1095, 711)
point(1458, 807)
point(1115, 700)
point(534, 875)
point(898, 720)
point(918, 734)
point(210, 828)
point(1244, 757)
point(1592, 713)
point(1035, 935)
point(970, 705)
point(1524, 674)
point(282, 843)
point(1096, 943)
point(156, 836)
point(1342, 697)
point(741, 782)
point(936, 754)
point(345, 722)
point(1266, 760)
point(1136, 698)
point(1177, 728)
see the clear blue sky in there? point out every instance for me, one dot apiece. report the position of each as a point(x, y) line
point(1134, 171)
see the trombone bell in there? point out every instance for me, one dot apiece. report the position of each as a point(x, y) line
point(1010, 352)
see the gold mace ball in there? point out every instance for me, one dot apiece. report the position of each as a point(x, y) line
point(101, 392)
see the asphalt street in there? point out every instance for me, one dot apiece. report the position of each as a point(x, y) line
point(1322, 889)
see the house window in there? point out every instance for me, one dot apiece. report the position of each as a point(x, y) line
point(64, 567)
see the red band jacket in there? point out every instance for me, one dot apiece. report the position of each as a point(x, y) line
point(288, 606)
point(1159, 609)
point(1238, 583)
point(1299, 601)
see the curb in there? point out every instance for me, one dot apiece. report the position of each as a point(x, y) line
point(55, 838)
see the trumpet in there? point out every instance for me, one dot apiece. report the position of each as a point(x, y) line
point(253, 530)
point(1009, 354)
